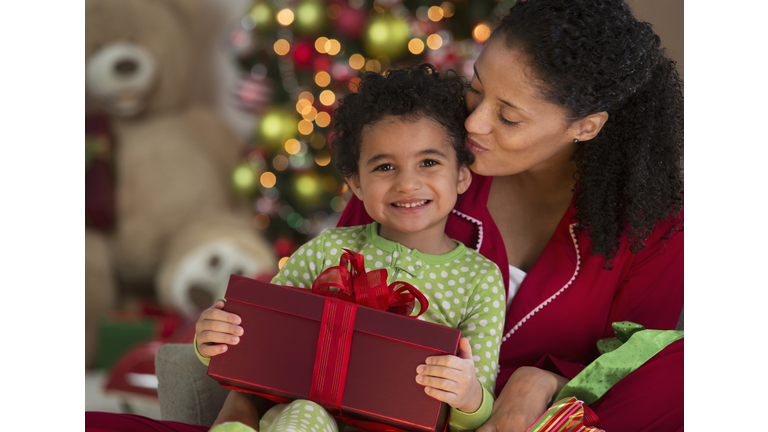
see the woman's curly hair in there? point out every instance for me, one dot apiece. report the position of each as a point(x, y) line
point(411, 93)
point(593, 56)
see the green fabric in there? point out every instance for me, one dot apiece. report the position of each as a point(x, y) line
point(622, 355)
point(205, 360)
point(461, 421)
point(232, 427)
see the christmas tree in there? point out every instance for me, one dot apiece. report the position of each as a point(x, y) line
point(298, 58)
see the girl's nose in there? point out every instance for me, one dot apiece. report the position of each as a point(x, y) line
point(478, 121)
point(407, 182)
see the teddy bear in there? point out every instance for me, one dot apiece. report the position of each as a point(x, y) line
point(174, 213)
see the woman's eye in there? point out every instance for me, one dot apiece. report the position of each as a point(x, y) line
point(507, 122)
point(472, 89)
point(429, 163)
point(384, 167)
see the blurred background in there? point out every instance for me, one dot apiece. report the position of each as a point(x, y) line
point(207, 148)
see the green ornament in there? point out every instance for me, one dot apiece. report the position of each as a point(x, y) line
point(310, 17)
point(244, 179)
point(277, 125)
point(263, 15)
point(387, 35)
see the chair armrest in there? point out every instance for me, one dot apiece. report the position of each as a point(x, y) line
point(185, 392)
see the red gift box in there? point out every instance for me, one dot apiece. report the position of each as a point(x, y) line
point(277, 354)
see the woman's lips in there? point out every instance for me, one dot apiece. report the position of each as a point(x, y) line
point(473, 147)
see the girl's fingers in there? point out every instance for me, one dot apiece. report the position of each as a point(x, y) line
point(222, 327)
point(215, 314)
point(438, 383)
point(446, 360)
point(440, 372)
point(218, 338)
point(440, 395)
point(212, 350)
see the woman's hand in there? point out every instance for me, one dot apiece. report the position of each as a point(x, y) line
point(215, 329)
point(523, 400)
point(452, 379)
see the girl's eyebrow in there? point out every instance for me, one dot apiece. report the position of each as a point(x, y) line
point(383, 156)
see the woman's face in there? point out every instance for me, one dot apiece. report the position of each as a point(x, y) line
point(511, 128)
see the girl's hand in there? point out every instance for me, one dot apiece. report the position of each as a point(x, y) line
point(452, 379)
point(523, 400)
point(215, 329)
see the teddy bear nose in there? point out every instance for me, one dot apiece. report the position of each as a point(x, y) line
point(126, 67)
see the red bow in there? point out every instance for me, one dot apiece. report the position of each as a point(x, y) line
point(370, 289)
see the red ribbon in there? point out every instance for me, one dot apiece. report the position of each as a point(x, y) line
point(370, 289)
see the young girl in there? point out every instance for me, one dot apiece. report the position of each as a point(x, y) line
point(399, 142)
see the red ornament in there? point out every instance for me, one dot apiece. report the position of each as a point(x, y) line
point(350, 22)
point(302, 54)
point(283, 247)
point(322, 63)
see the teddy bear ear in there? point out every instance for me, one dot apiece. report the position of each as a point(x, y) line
point(188, 8)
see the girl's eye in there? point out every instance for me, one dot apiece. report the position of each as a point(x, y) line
point(384, 167)
point(430, 162)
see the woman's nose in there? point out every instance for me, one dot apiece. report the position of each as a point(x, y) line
point(478, 121)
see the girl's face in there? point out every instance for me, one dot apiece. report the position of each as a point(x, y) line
point(511, 129)
point(408, 177)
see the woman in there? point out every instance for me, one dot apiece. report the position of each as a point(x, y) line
point(577, 129)
point(576, 125)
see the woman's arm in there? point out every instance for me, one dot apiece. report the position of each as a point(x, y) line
point(523, 400)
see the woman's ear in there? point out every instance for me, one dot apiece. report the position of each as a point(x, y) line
point(590, 126)
point(354, 184)
point(465, 179)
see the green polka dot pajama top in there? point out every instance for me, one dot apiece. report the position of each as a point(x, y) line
point(465, 291)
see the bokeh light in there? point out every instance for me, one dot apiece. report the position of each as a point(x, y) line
point(310, 114)
point(292, 146)
point(285, 17)
point(327, 98)
point(332, 47)
point(306, 126)
point(434, 41)
point(320, 44)
point(448, 9)
point(261, 221)
point(356, 61)
point(268, 179)
point(481, 33)
point(323, 119)
point(373, 66)
point(416, 46)
point(280, 162)
point(322, 79)
point(435, 13)
point(322, 158)
point(282, 47)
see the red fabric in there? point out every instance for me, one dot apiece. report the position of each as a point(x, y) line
point(567, 301)
point(112, 422)
point(650, 398)
point(332, 358)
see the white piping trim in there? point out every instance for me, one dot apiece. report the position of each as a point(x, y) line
point(479, 224)
point(547, 301)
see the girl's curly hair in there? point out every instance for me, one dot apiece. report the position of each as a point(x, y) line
point(412, 93)
point(593, 56)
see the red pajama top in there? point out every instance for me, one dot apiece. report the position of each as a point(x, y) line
point(567, 301)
